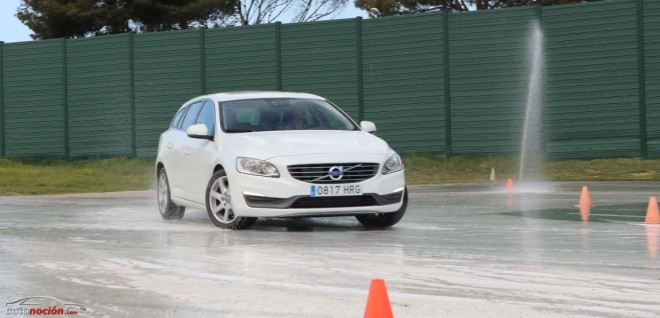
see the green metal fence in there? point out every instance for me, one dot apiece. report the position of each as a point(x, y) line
point(649, 66)
point(446, 83)
point(593, 81)
point(488, 75)
point(35, 111)
point(404, 80)
point(99, 101)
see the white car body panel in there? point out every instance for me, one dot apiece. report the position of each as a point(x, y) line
point(269, 144)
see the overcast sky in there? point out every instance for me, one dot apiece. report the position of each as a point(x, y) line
point(12, 30)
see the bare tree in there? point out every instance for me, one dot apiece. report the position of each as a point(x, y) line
point(248, 12)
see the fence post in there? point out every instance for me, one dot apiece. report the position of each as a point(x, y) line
point(447, 88)
point(65, 98)
point(2, 100)
point(131, 93)
point(202, 58)
point(278, 55)
point(641, 79)
point(360, 79)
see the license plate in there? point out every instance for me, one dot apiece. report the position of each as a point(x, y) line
point(335, 190)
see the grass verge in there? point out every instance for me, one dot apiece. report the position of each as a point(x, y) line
point(429, 168)
point(47, 176)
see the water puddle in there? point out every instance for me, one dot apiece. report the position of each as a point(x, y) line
point(625, 213)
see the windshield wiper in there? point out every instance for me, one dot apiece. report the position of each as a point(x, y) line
point(238, 130)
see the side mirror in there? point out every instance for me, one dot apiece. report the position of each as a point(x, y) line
point(199, 131)
point(368, 126)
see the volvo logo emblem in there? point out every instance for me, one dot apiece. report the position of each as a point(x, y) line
point(336, 173)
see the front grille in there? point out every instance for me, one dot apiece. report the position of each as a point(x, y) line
point(319, 173)
point(334, 202)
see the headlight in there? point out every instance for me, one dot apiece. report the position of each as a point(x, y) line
point(256, 167)
point(393, 164)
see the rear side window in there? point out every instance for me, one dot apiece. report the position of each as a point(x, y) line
point(207, 117)
point(191, 115)
point(179, 116)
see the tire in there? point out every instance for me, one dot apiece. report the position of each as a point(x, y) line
point(383, 220)
point(218, 204)
point(168, 209)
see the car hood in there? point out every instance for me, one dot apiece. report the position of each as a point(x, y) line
point(266, 145)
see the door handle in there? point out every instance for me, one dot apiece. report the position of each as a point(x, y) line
point(187, 152)
point(169, 146)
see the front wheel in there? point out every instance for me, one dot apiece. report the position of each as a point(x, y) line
point(168, 209)
point(382, 220)
point(218, 204)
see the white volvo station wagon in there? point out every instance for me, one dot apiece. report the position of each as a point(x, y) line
point(245, 155)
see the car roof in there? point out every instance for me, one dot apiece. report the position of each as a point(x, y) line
point(228, 96)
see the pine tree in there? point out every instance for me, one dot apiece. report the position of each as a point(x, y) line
point(78, 18)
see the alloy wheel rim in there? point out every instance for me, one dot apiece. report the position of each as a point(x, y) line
point(220, 201)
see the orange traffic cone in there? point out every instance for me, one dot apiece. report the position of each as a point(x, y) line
point(652, 213)
point(509, 185)
point(585, 199)
point(378, 303)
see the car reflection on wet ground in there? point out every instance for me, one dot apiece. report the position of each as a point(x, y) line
point(462, 250)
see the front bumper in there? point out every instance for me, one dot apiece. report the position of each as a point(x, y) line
point(257, 196)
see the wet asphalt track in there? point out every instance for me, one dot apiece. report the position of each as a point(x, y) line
point(461, 251)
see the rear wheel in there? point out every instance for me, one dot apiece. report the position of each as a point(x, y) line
point(218, 204)
point(168, 209)
point(382, 220)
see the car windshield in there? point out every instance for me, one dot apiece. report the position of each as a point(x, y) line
point(267, 114)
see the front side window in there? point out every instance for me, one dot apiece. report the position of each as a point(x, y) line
point(191, 115)
point(207, 117)
point(267, 114)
